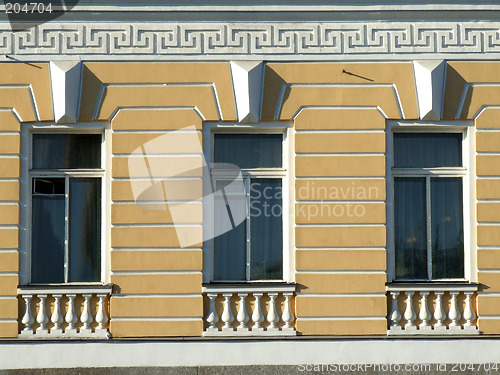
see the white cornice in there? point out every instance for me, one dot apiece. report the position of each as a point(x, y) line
point(281, 5)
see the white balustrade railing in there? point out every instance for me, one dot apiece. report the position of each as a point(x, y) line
point(432, 309)
point(249, 310)
point(65, 312)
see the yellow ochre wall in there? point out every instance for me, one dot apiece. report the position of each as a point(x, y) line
point(339, 113)
point(24, 97)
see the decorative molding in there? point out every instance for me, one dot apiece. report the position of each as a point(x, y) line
point(429, 83)
point(65, 79)
point(248, 79)
point(252, 41)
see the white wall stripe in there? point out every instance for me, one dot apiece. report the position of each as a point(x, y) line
point(315, 154)
point(342, 295)
point(156, 319)
point(145, 295)
point(339, 131)
point(340, 178)
point(349, 225)
point(343, 318)
point(156, 272)
point(306, 248)
point(159, 225)
point(140, 249)
point(350, 272)
point(489, 270)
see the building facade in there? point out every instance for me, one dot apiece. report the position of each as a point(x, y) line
point(298, 174)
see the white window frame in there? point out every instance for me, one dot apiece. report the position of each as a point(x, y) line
point(27, 185)
point(284, 173)
point(466, 172)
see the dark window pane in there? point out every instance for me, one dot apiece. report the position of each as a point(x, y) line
point(230, 254)
point(410, 228)
point(447, 228)
point(427, 150)
point(48, 186)
point(249, 150)
point(230, 245)
point(266, 236)
point(84, 229)
point(66, 151)
point(47, 239)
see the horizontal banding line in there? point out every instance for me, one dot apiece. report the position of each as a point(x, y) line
point(330, 178)
point(489, 270)
point(162, 202)
point(354, 248)
point(138, 155)
point(334, 201)
point(329, 225)
point(159, 178)
point(333, 272)
point(350, 318)
point(339, 295)
point(339, 131)
point(156, 272)
point(157, 319)
point(159, 225)
point(140, 249)
point(156, 295)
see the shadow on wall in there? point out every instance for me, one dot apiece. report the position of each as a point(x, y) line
point(454, 88)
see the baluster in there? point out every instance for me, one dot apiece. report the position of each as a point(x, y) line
point(56, 317)
point(454, 314)
point(272, 316)
point(86, 317)
point(42, 317)
point(212, 317)
point(71, 315)
point(257, 316)
point(439, 312)
point(424, 314)
point(287, 316)
point(409, 312)
point(28, 318)
point(101, 318)
point(468, 311)
point(395, 315)
point(227, 315)
point(242, 316)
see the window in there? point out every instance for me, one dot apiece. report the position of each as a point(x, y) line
point(253, 248)
point(428, 178)
point(66, 182)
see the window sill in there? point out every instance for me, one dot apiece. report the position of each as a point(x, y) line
point(65, 289)
point(432, 286)
point(250, 286)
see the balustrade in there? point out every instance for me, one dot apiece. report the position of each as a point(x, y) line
point(442, 309)
point(56, 312)
point(249, 310)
